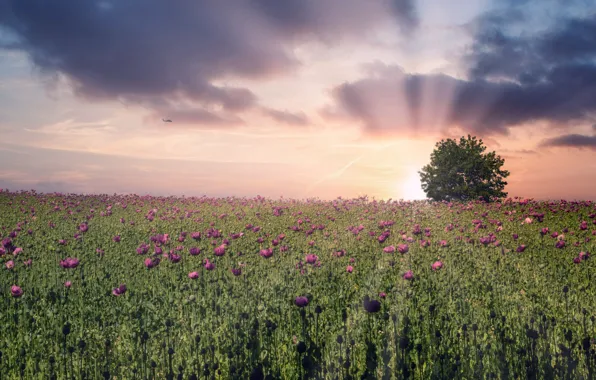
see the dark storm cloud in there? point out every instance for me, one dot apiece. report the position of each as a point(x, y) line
point(286, 117)
point(572, 140)
point(513, 78)
point(406, 12)
point(335, 18)
point(137, 51)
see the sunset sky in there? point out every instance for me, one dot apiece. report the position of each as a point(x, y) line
point(293, 98)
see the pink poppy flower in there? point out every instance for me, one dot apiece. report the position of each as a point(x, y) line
point(437, 265)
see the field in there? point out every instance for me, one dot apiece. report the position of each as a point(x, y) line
point(134, 287)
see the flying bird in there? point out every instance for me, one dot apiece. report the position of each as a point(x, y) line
point(166, 120)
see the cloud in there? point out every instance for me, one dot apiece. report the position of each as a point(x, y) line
point(571, 140)
point(198, 117)
point(140, 52)
point(513, 78)
point(286, 117)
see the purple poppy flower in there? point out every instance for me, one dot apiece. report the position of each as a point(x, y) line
point(266, 253)
point(301, 301)
point(389, 249)
point(67, 284)
point(236, 271)
point(143, 249)
point(152, 262)
point(119, 290)
point(311, 258)
point(521, 248)
point(220, 250)
point(116, 239)
point(16, 291)
point(349, 269)
point(371, 306)
point(403, 248)
point(209, 265)
point(408, 275)
point(437, 265)
point(194, 251)
point(193, 275)
point(69, 263)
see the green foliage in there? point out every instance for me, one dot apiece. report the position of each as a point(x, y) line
point(463, 172)
point(509, 302)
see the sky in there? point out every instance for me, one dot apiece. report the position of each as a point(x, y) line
point(294, 98)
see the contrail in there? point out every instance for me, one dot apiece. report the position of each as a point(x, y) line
point(342, 170)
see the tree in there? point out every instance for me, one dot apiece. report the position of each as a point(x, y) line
point(463, 172)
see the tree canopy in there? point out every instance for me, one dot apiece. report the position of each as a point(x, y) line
point(462, 171)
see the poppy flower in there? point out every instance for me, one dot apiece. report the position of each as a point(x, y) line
point(371, 306)
point(220, 250)
point(437, 265)
point(349, 269)
point(67, 284)
point(119, 290)
point(266, 253)
point(209, 265)
point(301, 301)
point(408, 275)
point(236, 271)
point(152, 262)
point(389, 249)
point(311, 258)
point(69, 263)
point(193, 275)
point(403, 248)
point(16, 291)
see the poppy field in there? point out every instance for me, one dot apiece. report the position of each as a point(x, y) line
point(139, 287)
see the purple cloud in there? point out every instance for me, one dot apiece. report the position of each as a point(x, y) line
point(513, 79)
point(286, 117)
point(144, 51)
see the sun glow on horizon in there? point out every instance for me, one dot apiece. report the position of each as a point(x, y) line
point(410, 187)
